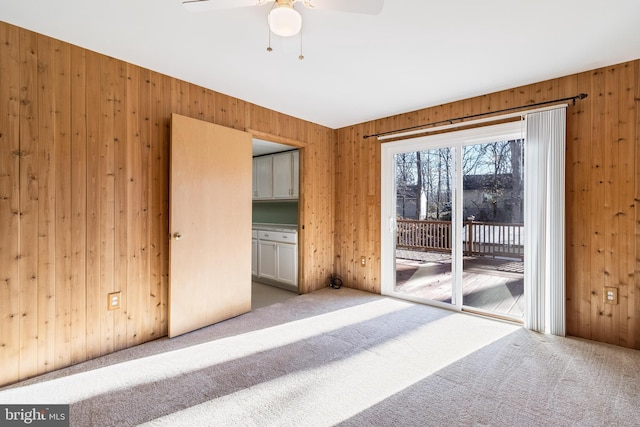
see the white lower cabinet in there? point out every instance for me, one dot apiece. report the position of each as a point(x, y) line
point(277, 257)
point(254, 254)
point(267, 259)
point(287, 271)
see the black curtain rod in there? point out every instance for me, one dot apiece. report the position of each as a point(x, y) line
point(473, 116)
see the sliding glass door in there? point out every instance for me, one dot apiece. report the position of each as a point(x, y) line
point(424, 223)
point(493, 228)
point(452, 220)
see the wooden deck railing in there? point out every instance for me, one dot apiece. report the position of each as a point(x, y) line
point(480, 238)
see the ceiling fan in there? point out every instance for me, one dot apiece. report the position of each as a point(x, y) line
point(284, 20)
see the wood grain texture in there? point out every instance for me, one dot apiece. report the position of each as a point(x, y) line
point(161, 112)
point(94, 304)
point(60, 182)
point(84, 200)
point(577, 190)
point(602, 226)
point(79, 186)
point(30, 176)
point(10, 95)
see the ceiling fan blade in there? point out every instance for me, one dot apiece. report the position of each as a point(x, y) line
point(369, 7)
point(203, 5)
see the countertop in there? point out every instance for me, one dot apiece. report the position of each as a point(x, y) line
point(292, 228)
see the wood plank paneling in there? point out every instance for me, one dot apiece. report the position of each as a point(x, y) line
point(10, 95)
point(316, 213)
point(129, 213)
point(144, 179)
point(597, 201)
point(577, 188)
point(612, 192)
point(44, 202)
point(627, 151)
point(105, 204)
point(61, 199)
point(78, 205)
point(121, 219)
point(160, 210)
point(94, 302)
point(30, 176)
point(84, 199)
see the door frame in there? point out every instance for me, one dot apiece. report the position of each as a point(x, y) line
point(302, 148)
point(456, 139)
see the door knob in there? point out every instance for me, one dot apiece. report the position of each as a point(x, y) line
point(177, 236)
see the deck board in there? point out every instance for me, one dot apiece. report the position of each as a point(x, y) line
point(489, 284)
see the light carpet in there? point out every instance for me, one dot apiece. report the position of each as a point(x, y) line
point(345, 357)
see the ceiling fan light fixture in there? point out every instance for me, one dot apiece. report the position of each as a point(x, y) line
point(284, 20)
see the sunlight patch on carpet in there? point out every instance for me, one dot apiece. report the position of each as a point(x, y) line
point(341, 388)
point(163, 366)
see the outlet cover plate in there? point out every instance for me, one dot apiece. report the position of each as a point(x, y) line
point(114, 300)
point(610, 295)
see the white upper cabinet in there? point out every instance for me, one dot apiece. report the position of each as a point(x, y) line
point(263, 177)
point(276, 176)
point(282, 176)
point(295, 158)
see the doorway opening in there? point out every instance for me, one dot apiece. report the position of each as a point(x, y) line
point(275, 221)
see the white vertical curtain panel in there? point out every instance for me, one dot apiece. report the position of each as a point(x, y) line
point(544, 284)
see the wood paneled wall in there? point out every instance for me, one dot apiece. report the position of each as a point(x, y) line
point(84, 166)
point(602, 194)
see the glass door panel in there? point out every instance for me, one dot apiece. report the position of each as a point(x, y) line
point(493, 228)
point(424, 190)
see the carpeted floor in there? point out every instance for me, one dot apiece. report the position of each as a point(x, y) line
point(345, 357)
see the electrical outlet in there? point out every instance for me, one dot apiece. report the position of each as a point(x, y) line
point(113, 300)
point(610, 295)
point(363, 261)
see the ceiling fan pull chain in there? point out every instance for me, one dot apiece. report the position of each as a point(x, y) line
point(301, 57)
point(269, 35)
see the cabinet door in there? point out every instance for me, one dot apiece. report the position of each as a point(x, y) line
point(254, 257)
point(267, 259)
point(282, 175)
point(295, 160)
point(264, 177)
point(254, 183)
point(287, 271)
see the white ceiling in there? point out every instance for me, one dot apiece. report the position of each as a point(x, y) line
point(414, 54)
point(261, 147)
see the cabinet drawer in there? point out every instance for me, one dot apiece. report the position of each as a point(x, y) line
point(278, 236)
